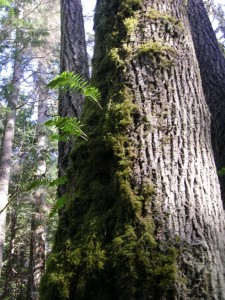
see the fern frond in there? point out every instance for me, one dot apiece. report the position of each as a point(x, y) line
point(58, 181)
point(68, 126)
point(59, 204)
point(45, 182)
point(75, 82)
point(37, 183)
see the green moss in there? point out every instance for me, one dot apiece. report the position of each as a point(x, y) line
point(114, 55)
point(159, 53)
point(122, 112)
point(154, 14)
point(131, 24)
point(128, 7)
point(157, 48)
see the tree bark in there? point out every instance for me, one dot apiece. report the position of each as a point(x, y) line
point(212, 68)
point(9, 272)
point(6, 149)
point(145, 218)
point(73, 58)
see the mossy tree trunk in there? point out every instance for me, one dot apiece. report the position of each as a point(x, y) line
point(73, 58)
point(145, 217)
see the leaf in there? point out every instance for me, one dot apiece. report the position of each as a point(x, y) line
point(58, 181)
point(75, 82)
point(45, 182)
point(67, 126)
point(59, 204)
point(221, 172)
point(37, 183)
point(49, 123)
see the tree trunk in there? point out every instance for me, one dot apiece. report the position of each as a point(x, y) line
point(9, 272)
point(145, 218)
point(37, 242)
point(212, 68)
point(6, 149)
point(73, 58)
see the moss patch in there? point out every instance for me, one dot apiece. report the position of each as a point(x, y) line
point(160, 54)
point(154, 14)
point(131, 24)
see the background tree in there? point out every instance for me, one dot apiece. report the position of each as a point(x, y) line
point(217, 16)
point(17, 271)
point(144, 217)
point(38, 234)
point(212, 69)
point(73, 58)
point(8, 135)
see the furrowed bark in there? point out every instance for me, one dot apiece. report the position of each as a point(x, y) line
point(74, 59)
point(212, 68)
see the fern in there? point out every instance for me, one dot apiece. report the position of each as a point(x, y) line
point(68, 126)
point(36, 184)
point(45, 182)
point(58, 181)
point(58, 205)
point(75, 82)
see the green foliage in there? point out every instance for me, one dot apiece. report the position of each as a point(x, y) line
point(216, 13)
point(221, 172)
point(71, 126)
point(5, 2)
point(27, 32)
point(76, 83)
point(46, 182)
point(67, 126)
point(60, 203)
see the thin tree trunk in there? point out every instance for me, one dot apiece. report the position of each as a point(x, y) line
point(37, 243)
point(6, 149)
point(9, 272)
point(73, 58)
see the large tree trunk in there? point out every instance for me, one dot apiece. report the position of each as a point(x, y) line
point(73, 58)
point(145, 217)
point(6, 149)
